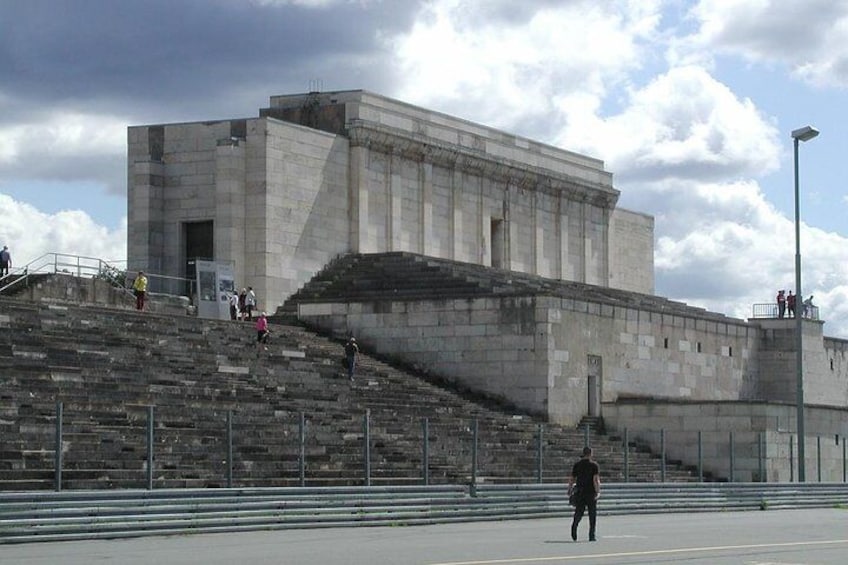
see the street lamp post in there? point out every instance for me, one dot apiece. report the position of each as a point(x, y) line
point(805, 133)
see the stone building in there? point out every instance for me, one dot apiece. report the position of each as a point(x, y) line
point(319, 176)
point(322, 174)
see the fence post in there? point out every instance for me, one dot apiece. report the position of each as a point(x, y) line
point(626, 457)
point(474, 431)
point(844, 461)
point(301, 457)
point(425, 456)
point(760, 443)
point(150, 448)
point(229, 449)
point(366, 431)
point(818, 456)
point(662, 455)
point(700, 458)
point(58, 453)
point(791, 459)
point(731, 479)
point(539, 454)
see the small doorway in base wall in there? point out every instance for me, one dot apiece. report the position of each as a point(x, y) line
point(594, 382)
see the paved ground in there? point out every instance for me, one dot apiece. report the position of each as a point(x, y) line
point(751, 538)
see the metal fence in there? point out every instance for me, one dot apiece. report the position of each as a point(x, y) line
point(85, 267)
point(770, 310)
point(225, 447)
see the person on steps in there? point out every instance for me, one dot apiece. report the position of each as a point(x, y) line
point(351, 352)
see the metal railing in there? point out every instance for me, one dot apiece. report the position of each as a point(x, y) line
point(770, 310)
point(475, 453)
point(82, 266)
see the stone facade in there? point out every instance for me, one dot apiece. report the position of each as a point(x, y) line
point(321, 174)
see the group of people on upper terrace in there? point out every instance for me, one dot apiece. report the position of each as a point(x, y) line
point(787, 305)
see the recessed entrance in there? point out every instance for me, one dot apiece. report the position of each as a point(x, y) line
point(497, 238)
point(595, 374)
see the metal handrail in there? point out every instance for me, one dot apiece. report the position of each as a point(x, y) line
point(770, 310)
point(83, 266)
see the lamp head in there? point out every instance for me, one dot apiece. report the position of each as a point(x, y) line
point(805, 133)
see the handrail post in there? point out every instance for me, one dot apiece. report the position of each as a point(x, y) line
point(700, 458)
point(626, 457)
point(539, 453)
point(662, 455)
point(301, 458)
point(150, 447)
point(792, 458)
point(366, 432)
point(844, 462)
point(760, 443)
point(229, 449)
point(474, 436)
point(731, 479)
point(58, 453)
point(425, 456)
point(818, 457)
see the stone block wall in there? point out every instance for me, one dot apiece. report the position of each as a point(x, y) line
point(535, 351)
point(277, 197)
point(764, 436)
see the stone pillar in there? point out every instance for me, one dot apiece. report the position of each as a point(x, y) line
point(562, 239)
point(358, 198)
point(394, 209)
point(456, 214)
point(146, 223)
point(229, 224)
point(538, 235)
point(425, 176)
point(512, 228)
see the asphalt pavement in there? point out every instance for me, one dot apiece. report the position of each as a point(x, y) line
point(768, 537)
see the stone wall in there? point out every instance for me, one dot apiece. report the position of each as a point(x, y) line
point(277, 197)
point(760, 430)
point(535, 351)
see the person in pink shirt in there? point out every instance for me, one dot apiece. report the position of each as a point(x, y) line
point(261, 330)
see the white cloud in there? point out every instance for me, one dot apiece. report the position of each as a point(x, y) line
point(30, 233)
point(808, 36)
point(66, 146)
point(683, 124)
point(62, 134)
point(507, 72)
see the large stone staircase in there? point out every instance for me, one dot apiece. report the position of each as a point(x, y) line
point(409, 276)
point(107, 366)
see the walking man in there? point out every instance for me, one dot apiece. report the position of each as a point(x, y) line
point(351, 351)
point(5, 261)
point(586, 479)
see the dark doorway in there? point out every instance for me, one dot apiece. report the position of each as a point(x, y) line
point(199, 241)
point(595, 374)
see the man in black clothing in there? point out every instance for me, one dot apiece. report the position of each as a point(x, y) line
point(586, 476)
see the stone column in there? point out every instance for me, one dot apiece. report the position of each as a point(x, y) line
point(562, 239)
point(456, 214)
point(229, 226)
point(146, 223)
point(394, 209)
point(425, 176)
point(538, 234)
point(358, 198)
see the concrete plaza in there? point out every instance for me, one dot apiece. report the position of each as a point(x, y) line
point(779, 536)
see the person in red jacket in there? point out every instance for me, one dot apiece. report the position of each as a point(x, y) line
point(781, 303)
point(790, 304)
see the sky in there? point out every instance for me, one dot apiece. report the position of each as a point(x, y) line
point(690, 104)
